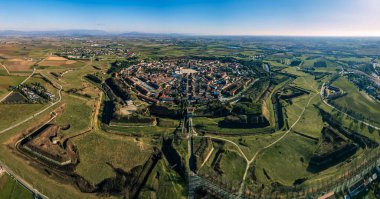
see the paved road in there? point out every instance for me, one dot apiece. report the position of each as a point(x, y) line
point(24, 183)
point(9, 171)
point(34, 115)
point(333, 107)
point(19, 84)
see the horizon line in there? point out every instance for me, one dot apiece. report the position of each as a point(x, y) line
point(115, 33)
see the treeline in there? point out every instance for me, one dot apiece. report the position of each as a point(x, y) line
point(358, 138)
point(244, 121)
point(93, 78)
point(214, 109)
point(349, 111)
point(164, 111)
point(133, 119)
point(120, 64)
point(119, 88)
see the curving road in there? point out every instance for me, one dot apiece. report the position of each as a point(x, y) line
point(273, 143)
point(18, 85)
point(333, 107)
point(9, 171)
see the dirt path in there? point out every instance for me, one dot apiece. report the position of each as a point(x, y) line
point(97, 108)
point(207, 157)
point(36, 114)
point(229, 141)
point(5, 68)
point(276, 141)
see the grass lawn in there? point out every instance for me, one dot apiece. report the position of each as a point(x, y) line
point(39, 179)
point(357, 101)
point(251, 144)
point(233, 167)
point(13, 113)
point(232, 164)
point(164, 182)
point(352, 124)
point(97, 149)
point(73, 79)
point(283, 157)
point(6, 81)
point(3, 72)
point(77, 113)
point(294, 110)
point(10, 189)
point(311, 122)
point(306, 82)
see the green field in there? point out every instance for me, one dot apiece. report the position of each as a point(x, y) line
point(3, 72)
point(253, 143)
point(290, 154)
point(77, 113)
point(164, 182)
point(357, 101)
point(11, 113)
point(310, 122)
point(10, 189)
point(6, 81)
point(98, 149)
point(232, 165)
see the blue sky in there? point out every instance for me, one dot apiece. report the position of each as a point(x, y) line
point(211, 17)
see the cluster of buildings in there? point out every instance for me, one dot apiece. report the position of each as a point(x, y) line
point(87, 52)
point(35, 93)
point(194, 80)
point(331, 92)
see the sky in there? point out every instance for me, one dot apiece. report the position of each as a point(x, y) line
point(200, 17)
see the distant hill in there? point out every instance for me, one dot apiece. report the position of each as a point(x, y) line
point(55, 33)
point(142, 34)
point(83, 33)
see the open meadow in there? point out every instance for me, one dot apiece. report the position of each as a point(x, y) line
point(10, 189)
point(357, 101)
point(100, 152)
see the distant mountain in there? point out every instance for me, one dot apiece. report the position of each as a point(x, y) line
point(55, 33)
point(143, 34)
point(84, 32)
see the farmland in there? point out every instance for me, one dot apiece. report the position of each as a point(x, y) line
point(59, 62)
point(10, 189)
point(7, 81)
point(128, 107)
point(19, 65)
